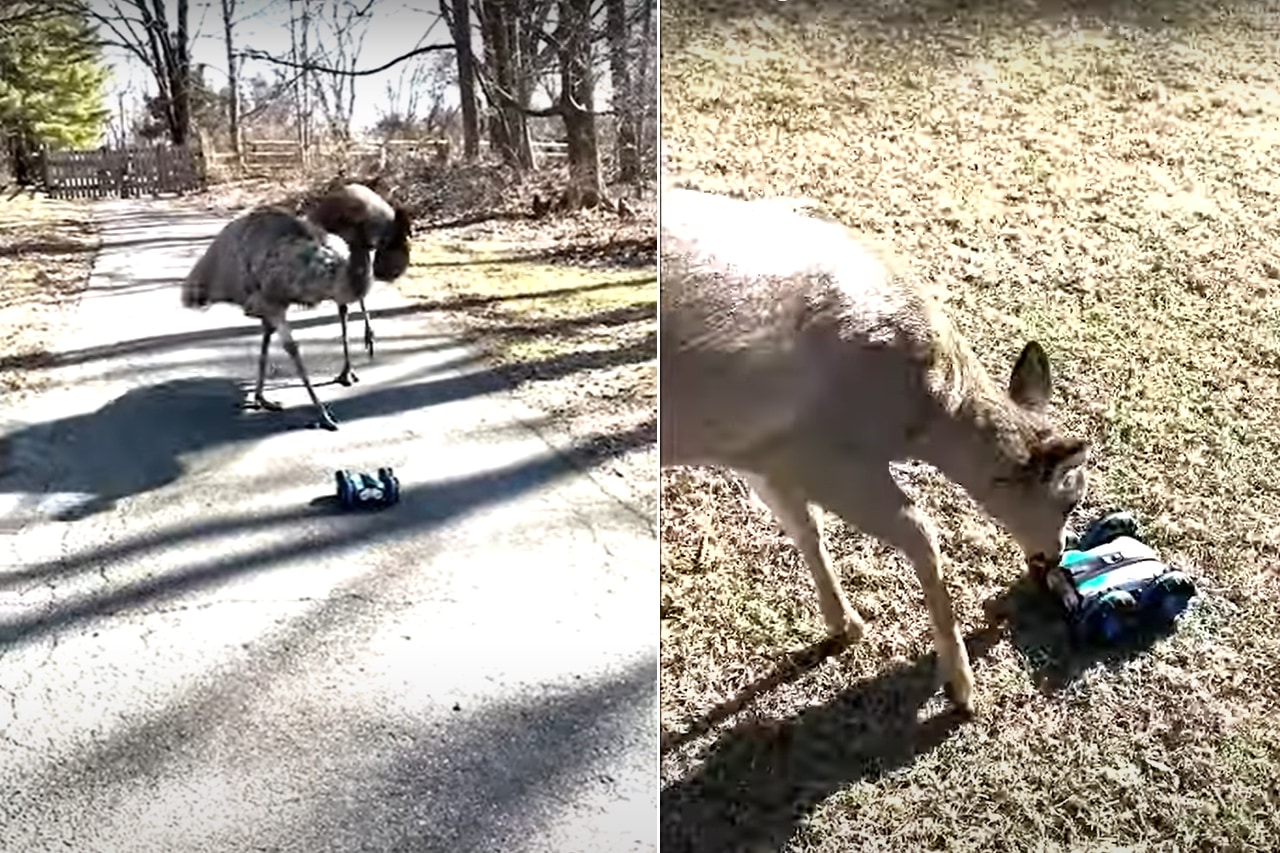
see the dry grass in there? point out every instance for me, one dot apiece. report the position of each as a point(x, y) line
point(566, 309)
point(46, 254)
point(1105, 180)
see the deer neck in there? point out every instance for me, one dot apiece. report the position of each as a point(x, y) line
point(979, 443)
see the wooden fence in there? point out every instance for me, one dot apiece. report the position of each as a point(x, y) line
point(125, 172)
point(272, 156)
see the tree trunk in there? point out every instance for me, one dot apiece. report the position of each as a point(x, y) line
point(507, 123)
point(461, 25)
point(233, 80)
point(577, 107)
point(624, 99)
point(181, 85)
point(521, 87)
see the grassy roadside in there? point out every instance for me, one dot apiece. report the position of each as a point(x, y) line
point(1104, 179)
point(571, 320)
point(47, 248)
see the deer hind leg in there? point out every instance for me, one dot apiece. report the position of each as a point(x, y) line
point(878, 507)
point(803, 524)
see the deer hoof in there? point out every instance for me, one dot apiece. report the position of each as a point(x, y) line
point(849, 629)
point(961, 698)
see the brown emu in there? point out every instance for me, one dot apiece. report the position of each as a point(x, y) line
point(368, 223)
point(270, 259)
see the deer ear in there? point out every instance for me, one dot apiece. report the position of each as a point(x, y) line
point(1063, 462)
point(1030, 386)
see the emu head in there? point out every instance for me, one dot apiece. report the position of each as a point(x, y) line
point(391, 258)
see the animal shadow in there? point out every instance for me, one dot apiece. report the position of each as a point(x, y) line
point(761, 779)
point(134, 444)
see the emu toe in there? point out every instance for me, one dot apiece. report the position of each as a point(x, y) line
point(326, 421)
point(347, 377)
point(262, 403)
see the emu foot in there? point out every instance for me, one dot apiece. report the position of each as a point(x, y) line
point(368, 342)
point(325, 420)
point(347, 377)
point(261, 403)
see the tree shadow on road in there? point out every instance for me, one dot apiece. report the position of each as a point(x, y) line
point(249, 329)
point(496, 763)
point(422, 507)
point(486, 780)
point(136, 442)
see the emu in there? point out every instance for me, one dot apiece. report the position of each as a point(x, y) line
point(270, 259)
point(367, 222)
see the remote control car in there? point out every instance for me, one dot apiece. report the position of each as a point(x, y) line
point(357, 490)
point(1113, 585)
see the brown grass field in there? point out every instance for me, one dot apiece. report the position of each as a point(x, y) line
point(46, 254)
point(1102, 177)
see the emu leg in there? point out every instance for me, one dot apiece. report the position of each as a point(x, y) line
point(368, 330)
point(260, 402)
point(291, 347)
point(347, 376)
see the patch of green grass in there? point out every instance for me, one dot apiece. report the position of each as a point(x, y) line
point(1108, 184)
point(533, 309)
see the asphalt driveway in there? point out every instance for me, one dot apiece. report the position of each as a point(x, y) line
point(198, 653)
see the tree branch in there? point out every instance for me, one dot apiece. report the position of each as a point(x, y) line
point(363, 72)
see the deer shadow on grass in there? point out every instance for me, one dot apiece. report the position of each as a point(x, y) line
point(760, 781)
point(1039, 632)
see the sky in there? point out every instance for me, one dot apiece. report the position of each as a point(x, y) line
point(395, 27)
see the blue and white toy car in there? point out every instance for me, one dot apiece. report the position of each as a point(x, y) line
point(359, 491)
point(1112, 585)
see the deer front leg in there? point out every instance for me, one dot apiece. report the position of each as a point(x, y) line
point(291, 347)
point(871, 501)
point(802, 522)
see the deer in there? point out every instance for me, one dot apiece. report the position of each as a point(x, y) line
point(803, 359)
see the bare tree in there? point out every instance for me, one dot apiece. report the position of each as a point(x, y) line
point(458, 16)
point(624, 100)
point(348, 24)
point(233, 78)
point(576, 107)
point(505, 87)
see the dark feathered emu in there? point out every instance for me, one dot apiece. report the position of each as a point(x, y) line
point(272, 259)
point(368, 223)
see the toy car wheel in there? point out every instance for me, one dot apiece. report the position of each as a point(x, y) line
point(1172, 592)
point(1108, 527)
point(346, 490)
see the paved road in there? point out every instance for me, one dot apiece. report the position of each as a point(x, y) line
point(198, 654)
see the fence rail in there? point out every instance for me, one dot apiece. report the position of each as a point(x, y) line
point(271, 155)
point(124, 172)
